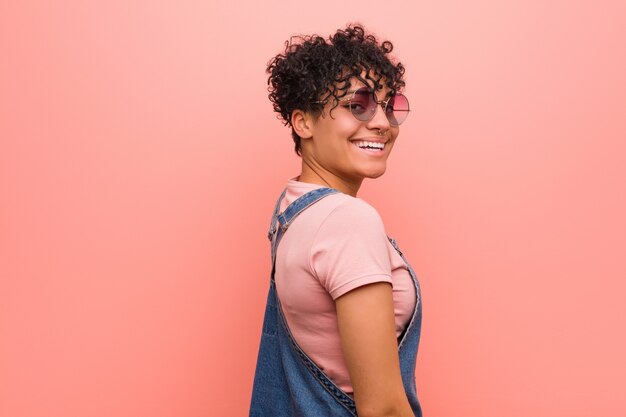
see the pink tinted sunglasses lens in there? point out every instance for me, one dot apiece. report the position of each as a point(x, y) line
point(362, 104)
point(397, 109)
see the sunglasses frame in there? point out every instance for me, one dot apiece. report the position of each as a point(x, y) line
point(383, 103)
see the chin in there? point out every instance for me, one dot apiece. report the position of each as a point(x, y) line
point(375, 174)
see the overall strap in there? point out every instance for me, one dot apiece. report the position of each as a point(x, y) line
point(270, 233)
point(291, 212)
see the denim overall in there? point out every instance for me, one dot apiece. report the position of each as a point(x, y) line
point(287, 383)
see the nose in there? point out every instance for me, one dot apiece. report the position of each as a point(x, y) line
point(379, 120)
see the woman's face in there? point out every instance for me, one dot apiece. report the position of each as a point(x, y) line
point(334, 145)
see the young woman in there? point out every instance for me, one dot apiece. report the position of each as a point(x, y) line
point(343, 315)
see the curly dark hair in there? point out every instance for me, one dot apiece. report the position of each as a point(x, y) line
point(312, 71)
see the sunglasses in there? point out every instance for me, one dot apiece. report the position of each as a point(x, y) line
point(363, 104)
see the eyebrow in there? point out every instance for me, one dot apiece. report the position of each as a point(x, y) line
point(348, 93)
point(385, 97)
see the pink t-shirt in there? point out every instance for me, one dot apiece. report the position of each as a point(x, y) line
point(334, 246)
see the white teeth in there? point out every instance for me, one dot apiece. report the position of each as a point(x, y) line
point(364, 144)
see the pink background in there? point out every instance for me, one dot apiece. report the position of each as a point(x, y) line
point(140, 160)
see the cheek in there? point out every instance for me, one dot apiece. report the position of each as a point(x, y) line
point(348, 127)
point(343, 126)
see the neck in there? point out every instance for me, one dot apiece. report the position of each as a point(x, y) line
point(317, 175)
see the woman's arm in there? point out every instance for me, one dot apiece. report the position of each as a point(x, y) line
point(368, 338)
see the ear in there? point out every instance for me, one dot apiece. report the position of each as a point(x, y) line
point(302, 123)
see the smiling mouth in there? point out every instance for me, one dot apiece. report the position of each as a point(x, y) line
point(371, 146)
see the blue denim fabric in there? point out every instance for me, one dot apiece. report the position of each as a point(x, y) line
point(287, 383)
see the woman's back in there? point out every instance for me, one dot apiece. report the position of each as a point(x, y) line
point(334, 246)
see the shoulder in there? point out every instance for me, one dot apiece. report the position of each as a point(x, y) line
point(350, 218)
point(352, 212)
point(350, 248)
